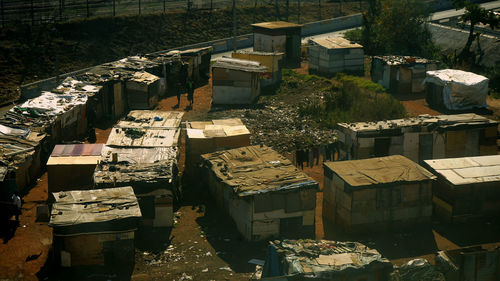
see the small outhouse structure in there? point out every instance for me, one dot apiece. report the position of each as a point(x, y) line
point(419, 138)
point(143, 90)
point(401, 74)
point(279, 36)
point(95, 227)
point(71, 166)
point(236, 81)
point(454, 89)
point(466, 188)
point(288, 260)
point(264, 193)
point(376, 193)
point(272, 60)
point(335, 54)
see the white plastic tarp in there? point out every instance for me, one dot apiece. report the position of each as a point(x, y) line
point(461, 89)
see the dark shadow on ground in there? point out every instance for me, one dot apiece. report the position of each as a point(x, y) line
point(392, 243)
point(478, 231)
point(153, 239)
point(8, 229)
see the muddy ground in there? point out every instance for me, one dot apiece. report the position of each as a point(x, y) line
point(204, 244)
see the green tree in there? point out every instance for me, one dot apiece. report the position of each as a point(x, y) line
point(474, 14)
point(397, 27)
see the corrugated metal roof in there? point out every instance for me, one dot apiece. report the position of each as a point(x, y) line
point(97, 206)
point(468, 170)
point(443, 121)
point(239, 64)
point(151, 119)
point(276, 25)
point(127, 137)
point(77, 150)
point(378, 171)
point(253, 169)
point(336, 43)
point(141, 155)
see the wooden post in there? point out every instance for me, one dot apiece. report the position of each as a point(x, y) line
point(287, 8)
point(164, 6)
point(298, 11)
point(234, 26)
point(88, 10)
point(139, 7)
point(319, 9)
point(340, 6)
point(2, 11)
point(32, 13)
point(60, 10)
point(114, 8)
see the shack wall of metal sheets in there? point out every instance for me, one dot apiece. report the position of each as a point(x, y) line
point(331, 55)
point(376, 194)
point(273, 62)
point(262, 191)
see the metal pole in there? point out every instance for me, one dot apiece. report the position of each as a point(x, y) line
point(164, 6)
point(60, 10)
point(340, 3)
point(298, 11)
point(287, 8)
point(3, 15)
point(234, 25)
point(114, 8)
point(319, 9)
point(139, 7)
point(88, 10)
point(32, 13)
point(211, 5)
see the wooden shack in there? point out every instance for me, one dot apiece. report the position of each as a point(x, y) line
point(236, 81)
point(143, 90)
point(335, 54)
point(272, 60)
point(401, 74)
point(419, 138)
point(306, 259)
point(376, 193)
point(454, 89)
point(466, 188)
point(71, 166)
point(279, 36)
point(198, 63)
point(210, 136)
point(264, 193)
point(95, 227)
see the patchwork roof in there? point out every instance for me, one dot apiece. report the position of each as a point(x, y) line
point(467, 170)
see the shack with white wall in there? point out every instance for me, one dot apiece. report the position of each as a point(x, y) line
point(95, 227)
point(466, 188)
point(401, 74)
point(279, 36)
point(454, 89)
point(263, 192)
point(272, 60)
point(335, 54)
point(236, 81)
point(420, 138)
point(376, 193)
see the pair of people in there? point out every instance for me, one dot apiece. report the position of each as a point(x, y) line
point(190, 93)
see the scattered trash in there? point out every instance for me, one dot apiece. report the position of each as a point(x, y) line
point(185, 277)
point(208, 254)
point(227, 239)
point(257, 262)
point(227, 268)
point(205, 270)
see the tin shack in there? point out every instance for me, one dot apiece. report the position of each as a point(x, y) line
point(324, 260)
point(71, 166)
point(456, 89)
point(210, 136)
point(264, 193)
point(335, 54)
point(143, 90)
point(401, 74)
point(279, 36)
point(419, 138)
point(95, 227)
point(376, 193)
point(272, 60)
point(466, 187)
point(236, 81)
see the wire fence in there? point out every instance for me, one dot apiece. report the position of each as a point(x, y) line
point(35, 12)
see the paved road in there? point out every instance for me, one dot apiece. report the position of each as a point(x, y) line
point(453, 13)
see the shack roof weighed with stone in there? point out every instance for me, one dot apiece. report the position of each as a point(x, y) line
point(253, 169)
point(276, 25)
point(323, 258)
point(424, 122)
point(467, 170)
point(239, 64)
point(135, 137)
point(98, 210)
point(151, 119)
point(336, 43)
point(371, 172)
point(143, 155)
point(403, 60)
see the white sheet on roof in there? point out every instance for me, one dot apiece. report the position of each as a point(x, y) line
point(461, 89)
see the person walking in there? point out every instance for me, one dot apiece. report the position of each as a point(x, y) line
point(190, 91)
point(16, 201)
